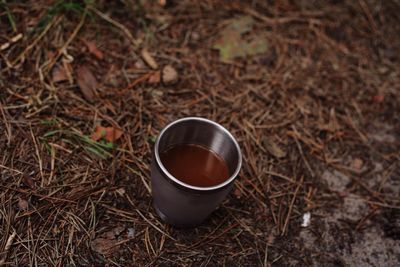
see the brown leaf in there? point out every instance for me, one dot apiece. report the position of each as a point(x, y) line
point(94, 50)
point(110, 134)
point(104, 246)
point(28, 181)
point(113, 134)
point(149, 59)
point(98, 133)
point(169, 75)
point(273, 148)
point(87, 83)
point(59, 74)
point(155, 78)
point(23, 204)
point(107, 243)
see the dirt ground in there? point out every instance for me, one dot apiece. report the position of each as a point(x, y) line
point(311, 90)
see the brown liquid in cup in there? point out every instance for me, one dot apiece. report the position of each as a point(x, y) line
point(195, 165)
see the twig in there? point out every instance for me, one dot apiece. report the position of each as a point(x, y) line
point(284, 177)
point(34, 43)
point(10, 169)
point(370, 18)
point(302, 154)
point(50, 65)
point(39, 158)
point(154, 226)
point(7, 247)
point(116, 24)
point(291, 206)
point(13, 40)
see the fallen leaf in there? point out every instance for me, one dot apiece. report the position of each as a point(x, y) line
point(110, 134)
point(98, 133)
point(113, 134)
point(107, 243)
point(149, 59)
point(87, 83)
point(162, 2)
point(169, 75)
point(231, 44)
point(104, 246)
point(273, 148)
point(28, 181)
point(59, 74)
point(155, 78)
point(94, 50)
point(23, 204)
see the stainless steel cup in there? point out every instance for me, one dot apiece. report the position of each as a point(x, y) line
point(181, 204)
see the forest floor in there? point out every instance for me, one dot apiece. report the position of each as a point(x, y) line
point(310, 89)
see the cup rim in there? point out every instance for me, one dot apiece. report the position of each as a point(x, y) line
point(199, 188)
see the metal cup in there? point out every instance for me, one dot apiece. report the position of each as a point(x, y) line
point(181, 204)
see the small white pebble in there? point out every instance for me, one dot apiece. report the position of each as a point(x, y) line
point(306, 219)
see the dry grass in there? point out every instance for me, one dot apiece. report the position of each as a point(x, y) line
point(326, 93)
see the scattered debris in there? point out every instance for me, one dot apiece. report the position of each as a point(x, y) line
point(273, 148)
point(378, 99)
point(87, 83)
point(94, 50)
point(23, 204)
point(131, 233)
point(357, 164)
point(28, 181)
point(169, 75)
point(7, 248)
point(120, 191)
point(155, 78)
point(149, 59)
point(306, 219)
point(59, 74)
point(14, 39)
point(237, 193)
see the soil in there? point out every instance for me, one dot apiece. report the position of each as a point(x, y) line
point(310, 89)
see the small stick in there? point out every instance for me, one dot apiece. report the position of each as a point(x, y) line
point(302, 154)
point(7, 248)
point(7, 124)
point(116, 24)
point(34, 43)
point(38, 156)
point(11, 169)
point(291, 206)
point(154, 226)
point(70, 39)
point(13, 40)
point(365, 8)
